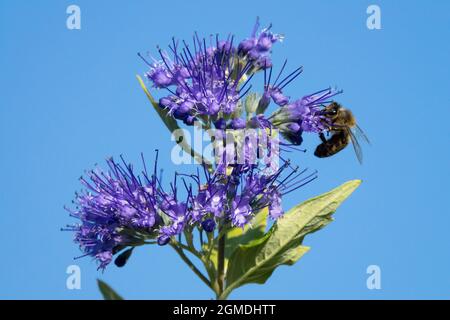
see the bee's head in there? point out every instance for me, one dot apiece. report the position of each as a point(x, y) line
point(339, 115)
point(332, 110)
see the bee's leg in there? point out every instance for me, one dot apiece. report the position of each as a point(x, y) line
point(322, 137)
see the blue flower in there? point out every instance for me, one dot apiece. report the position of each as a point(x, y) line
point(178, 214)
point(120, 208)
point(206, 79)
point(160, 76)
point(241, 211)
point(257, 48)
point(303, 115)
point(115, 203)
point(210, 79)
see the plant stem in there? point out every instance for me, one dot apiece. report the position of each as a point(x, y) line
point(221, 260)
point(191, 265)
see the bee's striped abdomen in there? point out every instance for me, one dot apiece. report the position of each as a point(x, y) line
point(338, 141)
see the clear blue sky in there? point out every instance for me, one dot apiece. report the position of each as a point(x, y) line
point(69, 99)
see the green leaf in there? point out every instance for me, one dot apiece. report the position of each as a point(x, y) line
point(282, 245)
point(173, 126)
point(169, 121)
point(238, 236)
point(107, 292)
point(254, 230)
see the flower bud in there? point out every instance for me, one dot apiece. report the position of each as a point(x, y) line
point(208, 225)
point(163, 240)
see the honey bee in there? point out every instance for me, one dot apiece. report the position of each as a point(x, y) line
point(343, 128)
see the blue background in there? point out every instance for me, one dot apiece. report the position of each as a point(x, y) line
point(69, 99)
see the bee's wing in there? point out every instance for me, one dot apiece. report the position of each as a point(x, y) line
point(356, 145)
point(360, 134)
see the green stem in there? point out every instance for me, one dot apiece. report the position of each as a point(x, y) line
point(224, 295)
point(194, 252)
point(221, 261)
point(191, 265)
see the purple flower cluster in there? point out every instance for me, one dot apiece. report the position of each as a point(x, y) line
point(120, 208)
point(233, 197)
point(257, 48)
point(209, 78)
point(206, 83)
point(114, 204)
